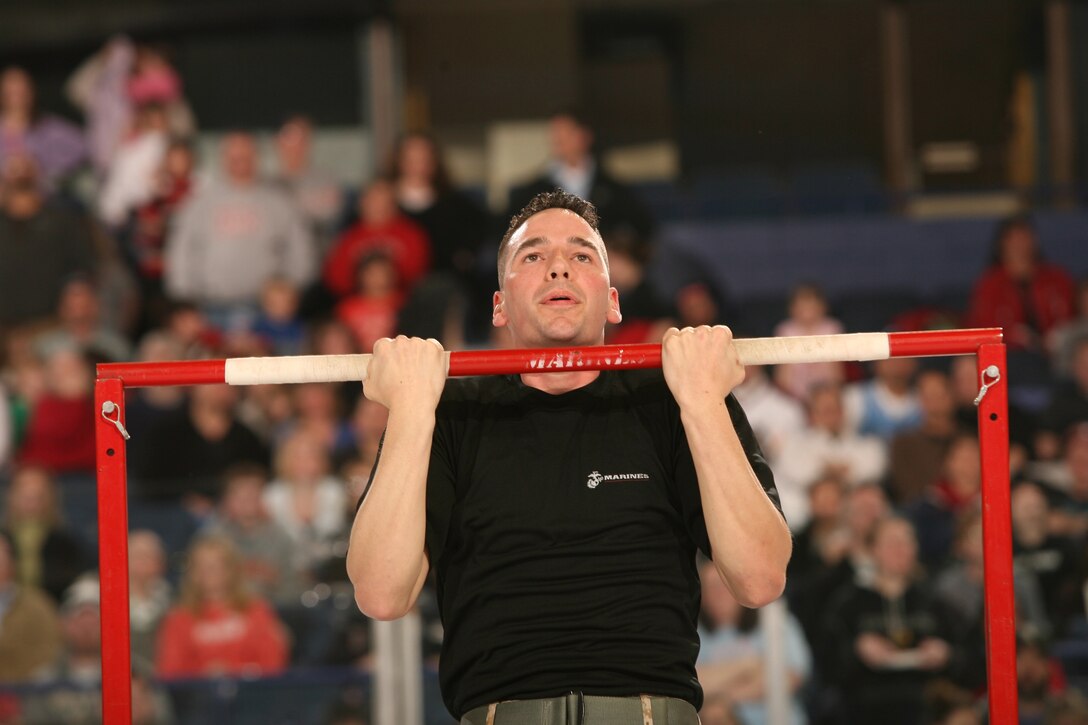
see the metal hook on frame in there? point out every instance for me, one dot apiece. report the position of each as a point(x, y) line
point(992, 372)
point(109, 408)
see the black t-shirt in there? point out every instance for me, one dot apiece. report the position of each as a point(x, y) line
point(562, 530)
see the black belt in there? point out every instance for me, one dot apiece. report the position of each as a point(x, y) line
point(579, 709)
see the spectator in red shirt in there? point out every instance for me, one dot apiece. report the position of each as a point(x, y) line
point(218, 627)
point(1019, 291)
point(381, 228)
point(60, 435)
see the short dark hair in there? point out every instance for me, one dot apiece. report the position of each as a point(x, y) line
point(1015, 222)
point(557, 199)
point(574, 113)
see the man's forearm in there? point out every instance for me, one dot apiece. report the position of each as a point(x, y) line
point(386, 559)
point(751, 543)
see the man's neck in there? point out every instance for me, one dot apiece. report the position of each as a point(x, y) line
point(559, 383)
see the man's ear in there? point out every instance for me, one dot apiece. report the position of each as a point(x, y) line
point(614, 314)
point(498, 313)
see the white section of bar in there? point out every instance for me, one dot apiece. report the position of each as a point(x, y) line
point(295, 369)
point(752, 351)
point(813, 348)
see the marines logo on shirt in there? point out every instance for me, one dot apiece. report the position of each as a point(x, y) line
point(597, 478)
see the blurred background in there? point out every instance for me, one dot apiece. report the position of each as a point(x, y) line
point(225, 178)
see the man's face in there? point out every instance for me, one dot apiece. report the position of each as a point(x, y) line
point(935, 395)
point(555, 287)
point(30, 496)
point(293, 140)
point(895, 548)
point(240, 158)
point(242, 501)
point(16, 90)
point(417, 158)
point(570, 142)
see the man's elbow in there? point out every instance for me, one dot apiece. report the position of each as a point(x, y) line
point(761, 589)
point(383, 607)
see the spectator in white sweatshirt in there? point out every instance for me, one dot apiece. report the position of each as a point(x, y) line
point(826, 447)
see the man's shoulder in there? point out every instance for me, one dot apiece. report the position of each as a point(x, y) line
point(476, 390)
point(648, 382)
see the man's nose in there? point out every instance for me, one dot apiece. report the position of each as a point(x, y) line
point(557, 267)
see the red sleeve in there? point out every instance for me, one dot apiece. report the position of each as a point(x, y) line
point(1060, 304)
point(59, 436)
point(173, 655)
point(339, 271)
point(986, 302)
point(267, 638)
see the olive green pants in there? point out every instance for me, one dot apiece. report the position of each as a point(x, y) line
point(578, 709)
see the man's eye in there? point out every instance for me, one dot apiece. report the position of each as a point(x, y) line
point(583, 258)
point(531, 257)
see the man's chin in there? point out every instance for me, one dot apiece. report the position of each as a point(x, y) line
point(559, 336)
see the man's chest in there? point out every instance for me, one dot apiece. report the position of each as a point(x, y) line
point(557, 477)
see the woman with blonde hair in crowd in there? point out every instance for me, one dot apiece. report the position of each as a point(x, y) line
point(218, 627)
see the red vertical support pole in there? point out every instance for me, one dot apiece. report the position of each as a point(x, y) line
point(993, 430)
point(109, 402)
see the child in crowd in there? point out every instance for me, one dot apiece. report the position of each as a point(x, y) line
point(305, 499)
point(265, 547)
point(808, 315)
point(371, 313)
point(278, 324)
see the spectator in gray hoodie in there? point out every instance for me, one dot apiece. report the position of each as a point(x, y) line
point(234, 235)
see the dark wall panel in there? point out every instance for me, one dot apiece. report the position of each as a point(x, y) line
point(245, 80)
point(781, 83)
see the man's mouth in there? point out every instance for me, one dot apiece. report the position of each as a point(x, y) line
point(559, 299)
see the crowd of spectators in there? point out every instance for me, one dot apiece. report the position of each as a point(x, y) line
point(242, 498)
